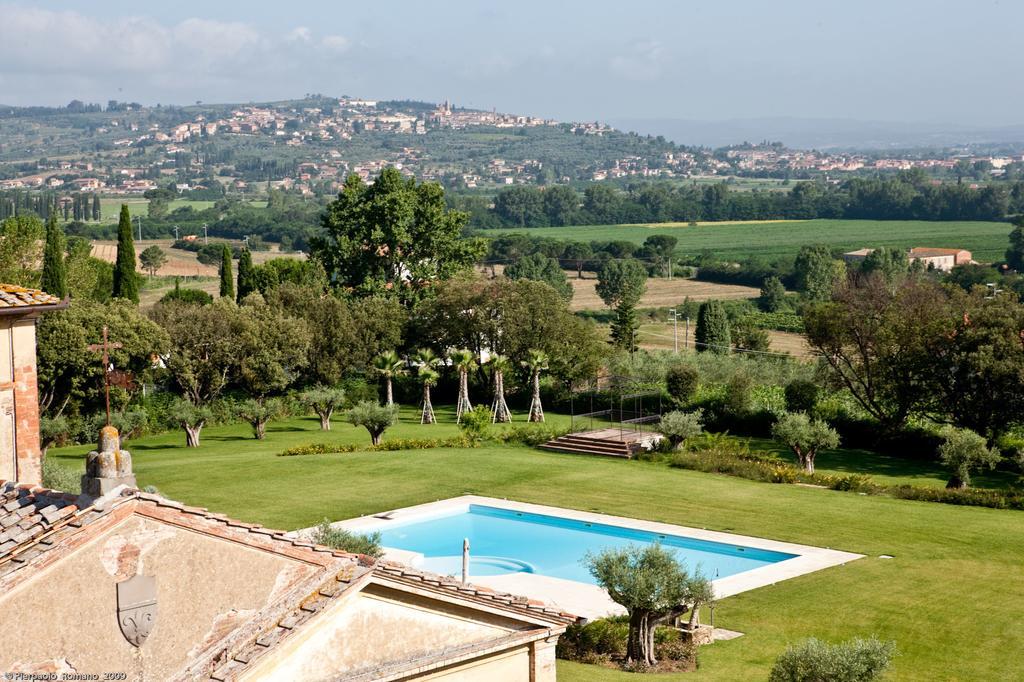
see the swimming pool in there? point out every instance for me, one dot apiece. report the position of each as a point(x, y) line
point(504, 541)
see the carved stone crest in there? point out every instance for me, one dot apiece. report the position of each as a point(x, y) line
point(136, 608)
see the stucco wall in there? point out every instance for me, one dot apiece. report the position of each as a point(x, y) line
point(375, 627)
point(204, 587)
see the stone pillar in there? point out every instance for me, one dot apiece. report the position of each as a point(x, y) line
point(108, 466)
point(542, 660)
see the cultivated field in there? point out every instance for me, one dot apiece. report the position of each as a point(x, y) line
point(773, 239)
point(660, 292)
point(659, 336)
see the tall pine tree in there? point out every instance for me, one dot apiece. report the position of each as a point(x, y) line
point(55, 277)
point(126, 284)
point(227, 279)
point(245, 275)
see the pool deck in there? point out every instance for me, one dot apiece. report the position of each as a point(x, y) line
point(588, 600)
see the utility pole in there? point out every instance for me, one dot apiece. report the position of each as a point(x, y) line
point(206, 236)
point(139, 218)
point(175, 233)
point(686, 337)
point(675, 330)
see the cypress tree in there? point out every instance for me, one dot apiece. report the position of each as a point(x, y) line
point(126, 285)
point(624, 326)
point(227, 280)
point(55, 277)
point(713, 328)
point(245, 275)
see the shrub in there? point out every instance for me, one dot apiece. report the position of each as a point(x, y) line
point(375, 417)
point(339, 538)
point(801, 395)
point(739, 397)
point(187, 296)
point(531, 434)
point(678, 426)
point(605, 638)
point(681, 381)
point(858, 660)
point(58, 477)
point(423, 444)
point(476, 423)
point(317, 449)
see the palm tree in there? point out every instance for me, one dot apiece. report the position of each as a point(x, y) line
point(464, 361)
point(427, 361)
point(536, 361)
point(499, 408)
point(388, 365)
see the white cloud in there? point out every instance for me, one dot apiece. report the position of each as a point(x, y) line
point(65, 54)
point(643, 62)
point(335, 43)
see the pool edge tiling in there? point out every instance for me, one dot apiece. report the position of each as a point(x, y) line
point(589, 600)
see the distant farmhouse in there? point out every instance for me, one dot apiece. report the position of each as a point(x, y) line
point(932, 259)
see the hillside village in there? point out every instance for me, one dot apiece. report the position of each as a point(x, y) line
point(320, 143)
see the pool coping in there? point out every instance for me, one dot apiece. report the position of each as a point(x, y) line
point(589, 600)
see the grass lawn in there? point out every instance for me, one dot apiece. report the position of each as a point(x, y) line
point(772, 239)
point(952, 597)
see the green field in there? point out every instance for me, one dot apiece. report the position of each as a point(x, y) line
point(952, 597)
point(111, 206)
point(986, 240)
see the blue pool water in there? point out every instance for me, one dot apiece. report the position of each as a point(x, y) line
point(505, 541)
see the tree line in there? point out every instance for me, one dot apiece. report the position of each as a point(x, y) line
point(910, 195)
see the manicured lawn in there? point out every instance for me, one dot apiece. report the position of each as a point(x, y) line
point(888, 470)
point(772, 239)
point(952, 597)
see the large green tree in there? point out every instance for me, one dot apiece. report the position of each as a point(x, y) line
point(126, 283)
point(541, 268)
point(20, 250)
point(71, 375)
point(55, 277)
point(621, 280)
point(393, 237)
point(816, 272)
point(1015, 253)
point(152, 259)
point(883, 344)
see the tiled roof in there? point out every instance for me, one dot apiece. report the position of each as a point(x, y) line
point(449, 584)
point(38, 525)
point(13, 296)
point(925, 251)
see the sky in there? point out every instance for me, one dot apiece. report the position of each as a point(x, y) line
point(893, 60)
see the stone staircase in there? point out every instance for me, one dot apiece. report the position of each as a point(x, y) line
point(582, 445)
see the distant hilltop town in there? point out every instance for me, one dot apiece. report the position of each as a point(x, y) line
point(309, 146)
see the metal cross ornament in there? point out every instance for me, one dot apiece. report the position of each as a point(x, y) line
point(108, 369)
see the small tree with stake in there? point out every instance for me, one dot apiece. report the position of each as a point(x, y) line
point(500, 413)
point(464, 362)
point(427, 361)
point(388, 365)
point(653, 586)
point(536, 362)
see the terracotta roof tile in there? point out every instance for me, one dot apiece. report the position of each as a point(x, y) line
point(13, 296)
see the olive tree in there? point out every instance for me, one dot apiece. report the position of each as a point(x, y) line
point(653, 586)
point(257, 413)
point(962, 451)
point(323, 401)
point(376, 418)
point(804, 436)
point(678, 426)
